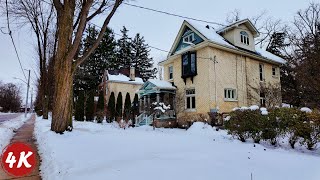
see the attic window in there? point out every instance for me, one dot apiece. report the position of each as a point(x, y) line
point(244, 37)
point(188, 38)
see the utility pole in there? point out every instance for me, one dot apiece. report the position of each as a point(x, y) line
point(28, 85)
point(31, 102)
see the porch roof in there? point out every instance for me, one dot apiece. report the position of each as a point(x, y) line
point(156, 86)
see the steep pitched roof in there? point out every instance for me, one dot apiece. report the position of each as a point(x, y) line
point(212, 35)
point(236, 24)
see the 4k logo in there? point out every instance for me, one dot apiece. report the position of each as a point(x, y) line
point(18, 159)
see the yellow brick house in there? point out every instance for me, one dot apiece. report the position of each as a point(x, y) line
point(219, 69)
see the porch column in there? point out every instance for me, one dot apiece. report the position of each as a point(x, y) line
point(140, 105)
point(158, 98)
point(144, 103)
point(149, 104)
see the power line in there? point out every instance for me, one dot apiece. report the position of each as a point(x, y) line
point(172, 14)
point(14, 45)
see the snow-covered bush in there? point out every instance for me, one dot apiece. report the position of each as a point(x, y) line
point(186, 120)
point(306, 109)
point(311, 131)
point(296, 125)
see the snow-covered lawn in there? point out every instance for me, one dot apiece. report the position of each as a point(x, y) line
point(95, 151)
point(7, 127)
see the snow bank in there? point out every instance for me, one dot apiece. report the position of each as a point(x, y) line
point(101, 151)
point(200, 128)
point(7, 127)
point(306, 109)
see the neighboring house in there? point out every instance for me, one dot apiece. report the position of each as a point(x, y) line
point(121, 82)
point(152, 93)
point(219, 69)
point(125, 81)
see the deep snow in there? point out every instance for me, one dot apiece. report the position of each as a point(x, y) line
point(95, 151)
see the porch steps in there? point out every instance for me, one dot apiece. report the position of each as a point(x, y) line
point(146, 121)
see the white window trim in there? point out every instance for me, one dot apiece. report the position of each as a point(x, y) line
point(188, 38)
point(235, 99)
point(186, 98)
point(171, 66)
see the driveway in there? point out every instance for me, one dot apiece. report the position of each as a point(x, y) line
point(6, 117)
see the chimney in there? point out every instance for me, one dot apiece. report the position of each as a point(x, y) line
point(132, 74)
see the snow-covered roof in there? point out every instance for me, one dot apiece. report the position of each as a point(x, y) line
point(211, 34)
point(249, 24)
point(162, 84)
point(124, 79)
point(269, 55)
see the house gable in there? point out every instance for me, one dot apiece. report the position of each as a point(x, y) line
point(187, 33)
point(240, 34)
point(185, 30)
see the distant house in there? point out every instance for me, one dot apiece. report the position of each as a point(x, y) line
point(121, 82)
point(219, 69)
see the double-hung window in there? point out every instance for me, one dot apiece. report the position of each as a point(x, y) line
point(274, 71)
point(261, 72)
point(262, 99)
point(244, 37)
point(230, 94)
point(170, 72)
point(190, 99)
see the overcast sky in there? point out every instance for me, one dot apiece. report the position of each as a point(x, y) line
point(159, 30)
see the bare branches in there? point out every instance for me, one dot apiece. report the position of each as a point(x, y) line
point(98, 11)
point(117, 3)
point(82, 24)
point(233, 16)
point(58, 5)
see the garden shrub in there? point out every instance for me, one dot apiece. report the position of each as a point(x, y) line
point(244, 124)
point(310, 130)
point(100, 116)
point(298, 126)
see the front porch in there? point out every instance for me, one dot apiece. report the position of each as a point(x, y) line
point(151, 94)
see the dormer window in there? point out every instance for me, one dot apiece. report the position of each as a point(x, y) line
point(188, 38)
point(244, 37)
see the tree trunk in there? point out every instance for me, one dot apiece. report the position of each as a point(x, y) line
point(45, 98)
point(63, 72)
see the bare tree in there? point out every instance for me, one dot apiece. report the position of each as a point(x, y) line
point(10, 97)
point(39, 15)
point(305, 54)
point(272, 95)
point(72, 18)
point(233, 16)
point(179, 102)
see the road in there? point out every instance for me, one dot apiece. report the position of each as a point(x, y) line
point(5, 117)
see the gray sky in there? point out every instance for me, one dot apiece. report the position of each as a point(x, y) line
point(159, 30)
